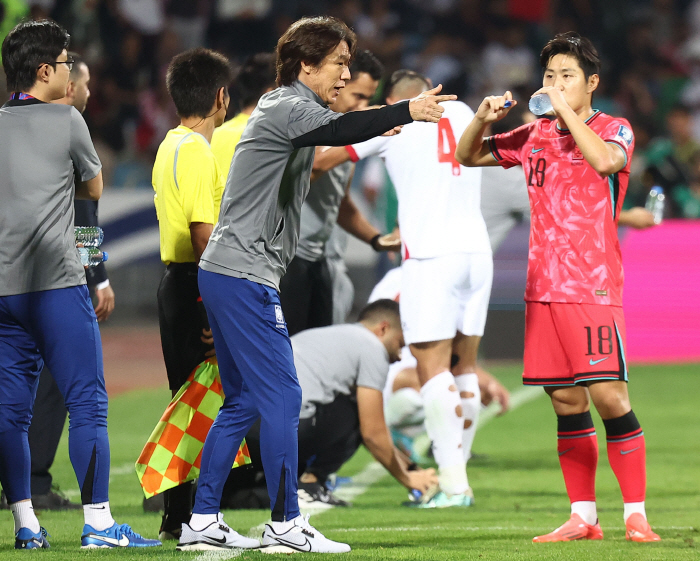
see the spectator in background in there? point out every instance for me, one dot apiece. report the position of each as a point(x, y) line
point(686, 198)
point(242, 27)
point(507, 62)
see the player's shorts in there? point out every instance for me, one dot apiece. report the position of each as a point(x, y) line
point(569, 344)
point(443, 295)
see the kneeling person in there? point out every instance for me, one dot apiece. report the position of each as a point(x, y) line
point(342, 371)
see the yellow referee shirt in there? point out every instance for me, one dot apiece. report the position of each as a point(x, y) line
point(188, 188)
point(225, 139)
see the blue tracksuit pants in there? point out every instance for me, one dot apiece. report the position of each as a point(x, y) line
point(60, 327)
point(259, 381)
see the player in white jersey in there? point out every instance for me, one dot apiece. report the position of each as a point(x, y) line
point(446, 275)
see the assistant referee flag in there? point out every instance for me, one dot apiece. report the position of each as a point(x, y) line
point(173, 453)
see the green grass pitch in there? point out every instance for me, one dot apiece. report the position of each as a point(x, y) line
point(518, 486)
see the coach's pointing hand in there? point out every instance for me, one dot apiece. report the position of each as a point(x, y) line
point(426, 106)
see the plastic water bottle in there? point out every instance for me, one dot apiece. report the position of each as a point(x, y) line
point(91, 256)
point(655, 203)
point(540, 104)
point(89, 236)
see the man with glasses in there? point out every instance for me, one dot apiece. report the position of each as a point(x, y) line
point(46, 316)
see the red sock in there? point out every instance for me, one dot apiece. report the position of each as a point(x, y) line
point(578, 455)
point(627, 456)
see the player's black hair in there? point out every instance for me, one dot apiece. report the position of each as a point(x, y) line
point(256, 76)
point(365, 61)
point(194, 78)
point(78, 61)
point(381, 310)
point(29, 45)
point(310, 40)
point(402, 76)
point(571, 43)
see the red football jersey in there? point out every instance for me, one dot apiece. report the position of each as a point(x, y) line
point(574, 251)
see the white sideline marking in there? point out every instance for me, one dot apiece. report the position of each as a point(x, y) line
point(374, 471)
point(485, 528)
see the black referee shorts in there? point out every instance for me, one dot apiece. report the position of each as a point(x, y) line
point(181, 322)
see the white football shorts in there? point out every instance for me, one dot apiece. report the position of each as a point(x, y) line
point(443, 295)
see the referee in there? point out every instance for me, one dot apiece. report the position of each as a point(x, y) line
point(249, 250)
point(188, 188)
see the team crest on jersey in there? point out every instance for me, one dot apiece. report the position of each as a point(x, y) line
point(279, 316)
point(625, 136)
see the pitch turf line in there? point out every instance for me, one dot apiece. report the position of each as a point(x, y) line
point(373, 472)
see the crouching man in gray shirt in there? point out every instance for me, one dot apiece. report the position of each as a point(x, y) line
point(342, 371)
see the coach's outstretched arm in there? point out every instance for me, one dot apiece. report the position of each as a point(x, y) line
point(358, 126)
point(473, 149)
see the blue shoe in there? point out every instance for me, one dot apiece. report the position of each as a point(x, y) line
point(116, 536)
point(26, 539)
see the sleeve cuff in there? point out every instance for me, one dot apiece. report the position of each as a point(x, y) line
point(102, 285)
point(352, 153)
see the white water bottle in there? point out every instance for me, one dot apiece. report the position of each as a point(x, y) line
point(540, 104)
point(91, 256)
point(655, 203)
point(89, 236)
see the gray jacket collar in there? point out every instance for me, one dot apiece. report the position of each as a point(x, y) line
point(305, 91)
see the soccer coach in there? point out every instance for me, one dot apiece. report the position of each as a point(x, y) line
point(248, 252)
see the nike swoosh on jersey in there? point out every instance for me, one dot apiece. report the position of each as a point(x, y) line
point(624, 452)
point(123, 541)
point(534, 151)
point(594, 362)
point(565, 451)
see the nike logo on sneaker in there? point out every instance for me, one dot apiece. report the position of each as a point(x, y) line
point(624, 452)
point(565, 451)
point(306, 546)
point(594, 362)
point(534, 151)
point(216, 540)
point(121, 542)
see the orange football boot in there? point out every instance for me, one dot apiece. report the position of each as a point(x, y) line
point(574, 529)
point(638, 529)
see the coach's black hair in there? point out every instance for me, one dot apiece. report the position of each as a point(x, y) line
point(381, 310)
point(365, 61)
point(194, 78)
point(571, 43)
point(29, 45)
point(310, 40)
point(256, 76)
point(402, 76)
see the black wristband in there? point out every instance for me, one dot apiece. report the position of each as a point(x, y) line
point(373, 242)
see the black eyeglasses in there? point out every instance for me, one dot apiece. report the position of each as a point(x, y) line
point(69, 62)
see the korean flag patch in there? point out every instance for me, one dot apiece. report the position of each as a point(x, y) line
point(279, 316)
point(624, 135)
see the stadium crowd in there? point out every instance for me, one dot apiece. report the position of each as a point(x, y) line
point(473, 47)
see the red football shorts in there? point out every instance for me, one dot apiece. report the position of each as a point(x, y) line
point(569, 344)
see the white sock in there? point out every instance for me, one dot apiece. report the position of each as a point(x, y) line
point(632, 508)
point(98, 515)
point(468, 385)
point(23, 513)
point(586, 510)
point(405, 407)
point(280, 527)
point(200, 521)
point(443, 422)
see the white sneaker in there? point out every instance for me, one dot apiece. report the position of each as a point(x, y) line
point(298, 535)
point(214, 537)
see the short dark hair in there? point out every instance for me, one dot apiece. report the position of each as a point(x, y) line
point(29, 45)
point(381, 310)
point(255, 77)
point(365, 61)
point(571, 43)
point(310, 40)
point(194, 78)
point(78, 61)
point(404, 76)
